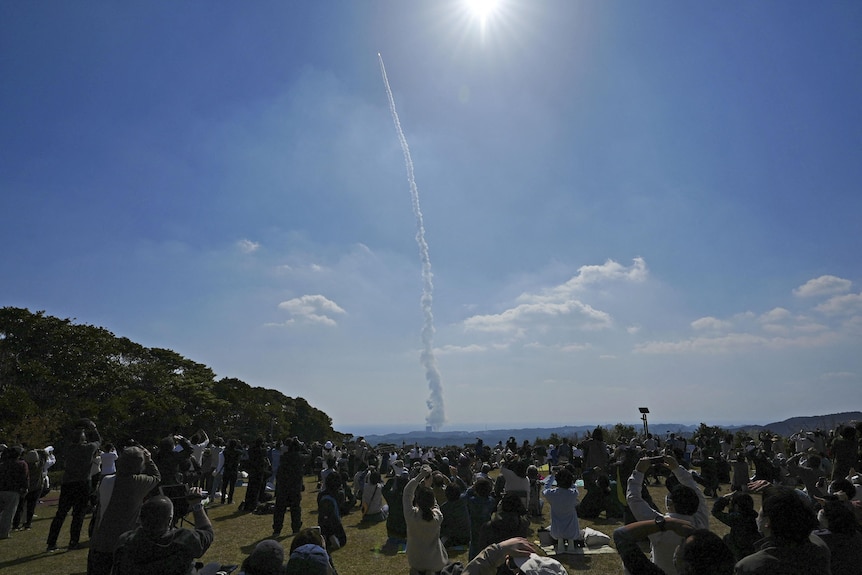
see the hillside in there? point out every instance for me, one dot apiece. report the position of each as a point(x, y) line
point(442, 438)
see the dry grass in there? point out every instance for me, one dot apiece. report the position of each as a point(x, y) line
point(237, 534)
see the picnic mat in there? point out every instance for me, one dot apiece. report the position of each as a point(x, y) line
point(551, 551)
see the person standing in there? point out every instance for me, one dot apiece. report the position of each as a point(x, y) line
point(228, 469)
point(13, 486)
point(27, 505)
point(75, 485)
point(288, 487)
point(120, 498)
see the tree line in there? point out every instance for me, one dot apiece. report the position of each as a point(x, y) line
point(54, 371)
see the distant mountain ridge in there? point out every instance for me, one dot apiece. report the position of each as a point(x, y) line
point(492, 436)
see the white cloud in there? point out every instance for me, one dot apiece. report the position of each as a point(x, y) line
point(588, 275)
point(518, 319)
point(849, 304)
point(558, 306)
point(473, 348)
point(710, 323)
point(774, 315)
point(734, 342)
point(247, 246)
point(315, 309)
point(824, 285)
point(839, 375)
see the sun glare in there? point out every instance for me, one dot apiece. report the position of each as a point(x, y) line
point(482, 9)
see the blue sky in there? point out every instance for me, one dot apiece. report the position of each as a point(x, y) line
point(625, 203)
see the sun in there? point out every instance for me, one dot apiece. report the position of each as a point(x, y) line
point(482, 9)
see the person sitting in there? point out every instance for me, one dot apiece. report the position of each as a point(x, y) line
point(841, 534)
point(309, 559)
point(700, 552)
point(480, 505)
point(516, 556)
point(786, 521)
point(514, 473)
point(309, 536)
point(536, 502)
point(510, 520)
point(684, 501)
point(373, 509)
point(156, 547)
point(455, 529)
point(425, 551)
point(563, 499)
point(266, 559)
point(742, 520)
point(393, 490)
point(808, 472)
point(329, 505)
point(601, 495)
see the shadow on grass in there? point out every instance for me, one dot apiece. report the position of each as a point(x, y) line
point(575, 562)
point(391, 547)
point(36, 556)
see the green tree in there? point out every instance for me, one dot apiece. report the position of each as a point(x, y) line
point(53, 372)
point(621, 431)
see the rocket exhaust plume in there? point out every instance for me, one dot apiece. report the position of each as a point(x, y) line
point(436, 413)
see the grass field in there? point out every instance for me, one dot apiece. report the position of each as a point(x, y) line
point(237, 533)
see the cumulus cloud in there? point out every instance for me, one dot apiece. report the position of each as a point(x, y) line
point(774, 315)
point(610, 271)
point(710, 323)
point(842, 304)
point(560, 305)
point(315, 309)
point(247, 246)
point(519, 319)
point(824, 285)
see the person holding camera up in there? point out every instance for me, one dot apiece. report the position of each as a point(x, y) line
point(156, 547)
point(84, 443)
point(120, 498)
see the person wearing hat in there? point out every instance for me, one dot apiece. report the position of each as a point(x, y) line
point(14, 478)
point(518, 555)
point(120, 498)
point(309, 559)
point(266, 559)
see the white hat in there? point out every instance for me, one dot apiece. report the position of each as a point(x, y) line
point(539, 565)
point(327, 445)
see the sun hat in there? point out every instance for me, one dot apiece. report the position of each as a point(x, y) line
point(539, 565)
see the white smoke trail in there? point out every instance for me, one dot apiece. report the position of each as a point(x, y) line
point(436, 412)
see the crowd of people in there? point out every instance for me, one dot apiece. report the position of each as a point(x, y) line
point(482, 498)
